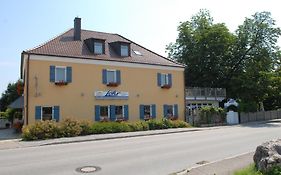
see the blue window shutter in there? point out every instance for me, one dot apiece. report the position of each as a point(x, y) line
point(126, 112)
point(112, 113)
point(57, 113)
point(153, 108)
point(165, 110)
point(170, 79)
point(97, 113)
point(118, 77)
point(158, 79)
point(176, 113)
point(52, 73)
point(37, 112)
point(68, 74)
point(141, 112)
point(104, 76)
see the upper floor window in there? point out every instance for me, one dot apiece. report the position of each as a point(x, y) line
point(111, 77)
point(98, 48)
point(164, 80)
point(60, 74)
point(124, 50)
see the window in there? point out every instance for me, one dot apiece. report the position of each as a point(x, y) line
point(47, 113)
point(170, 110)
point(164, 79)
point(111, 76)
point(60, 75)
point(147, 111)
point(98, 48)
point(124, 50)
point(104, 113)
point(119, 112)
point(137, 52)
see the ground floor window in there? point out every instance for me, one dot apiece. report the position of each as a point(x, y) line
point(171, 111)
point(47, 113)
point(111, 112)
point(104, 113)
point(119, 112)
point(147, 111)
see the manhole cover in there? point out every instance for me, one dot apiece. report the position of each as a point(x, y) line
point(88, 169)
point(202, 162)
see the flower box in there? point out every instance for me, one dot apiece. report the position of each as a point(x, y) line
point(61, 83)
point(112, 84)
point(166, 86)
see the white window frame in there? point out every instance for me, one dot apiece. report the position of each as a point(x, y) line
point(150, 115)
point(123, 111)
point(47, 107)
point(115, 75)
point(65, 73)
point(121, 50)
point(166, 79)
point(173, 110)
point(102, 48)
point(108, 111)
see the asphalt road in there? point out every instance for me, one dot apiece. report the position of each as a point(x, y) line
point(159, 154)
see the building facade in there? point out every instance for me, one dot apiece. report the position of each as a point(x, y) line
point(98, 76)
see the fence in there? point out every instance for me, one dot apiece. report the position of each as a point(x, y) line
point(259, 116)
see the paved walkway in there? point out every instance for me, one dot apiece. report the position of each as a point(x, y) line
point(223, 167)
point(17, 143)
point(6, 134)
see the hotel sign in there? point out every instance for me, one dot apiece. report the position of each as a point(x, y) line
point(111, 95)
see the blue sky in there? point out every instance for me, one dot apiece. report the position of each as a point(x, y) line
point(151, 23)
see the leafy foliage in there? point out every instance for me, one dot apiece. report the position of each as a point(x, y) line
point(241, 62)
point(211, 115)
point(13, 91)
point(70, 128)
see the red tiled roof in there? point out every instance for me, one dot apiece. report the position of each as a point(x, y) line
point(65, 45)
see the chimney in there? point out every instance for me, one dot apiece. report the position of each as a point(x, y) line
point(77, 28)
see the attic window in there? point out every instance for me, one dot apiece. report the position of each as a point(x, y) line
point(98, 48)
point(124, 50)
point(137, 52)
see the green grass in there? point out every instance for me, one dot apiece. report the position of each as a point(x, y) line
point(250, 170)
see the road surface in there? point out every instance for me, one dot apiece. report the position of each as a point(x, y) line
point(148, 155)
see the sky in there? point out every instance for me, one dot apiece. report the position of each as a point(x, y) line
point(150, 23)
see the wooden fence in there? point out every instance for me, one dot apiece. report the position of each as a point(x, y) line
point(259, 116)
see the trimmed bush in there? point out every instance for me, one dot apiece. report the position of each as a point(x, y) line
point(86, 127)
point(41, 130)
point(70, 128)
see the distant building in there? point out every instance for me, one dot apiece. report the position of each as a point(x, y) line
point(97, 76)
point(197, 97)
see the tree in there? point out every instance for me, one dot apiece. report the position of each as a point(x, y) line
point(204, 47)
point(13, 91)
point(239, 62)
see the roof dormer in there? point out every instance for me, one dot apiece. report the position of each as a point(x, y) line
point(96, 46)
point(123, 49)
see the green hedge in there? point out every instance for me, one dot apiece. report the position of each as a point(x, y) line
point(70, 128)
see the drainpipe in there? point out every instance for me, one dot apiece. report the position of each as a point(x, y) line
point(27, 88)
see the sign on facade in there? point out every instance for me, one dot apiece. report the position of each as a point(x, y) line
point(111, 95)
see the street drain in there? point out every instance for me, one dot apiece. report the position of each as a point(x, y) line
point(202, 162)
point(88, 169)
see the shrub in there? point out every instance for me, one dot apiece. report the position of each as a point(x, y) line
point(155, 124)
point(139, 126)
point(70, 128)
point(41, 130)
point(86, 127)
point(179, 124)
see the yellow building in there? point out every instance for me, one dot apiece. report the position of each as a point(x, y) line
point(96, 76)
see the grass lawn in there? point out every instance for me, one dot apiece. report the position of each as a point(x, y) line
point(250, 170)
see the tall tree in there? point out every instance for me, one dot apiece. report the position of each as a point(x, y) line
point(204, 47)
point(13, 91)
point(236, 61)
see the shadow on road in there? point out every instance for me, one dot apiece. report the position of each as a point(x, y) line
point(269, 124)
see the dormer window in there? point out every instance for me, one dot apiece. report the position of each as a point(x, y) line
point(124, 50)
point(98, 48)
